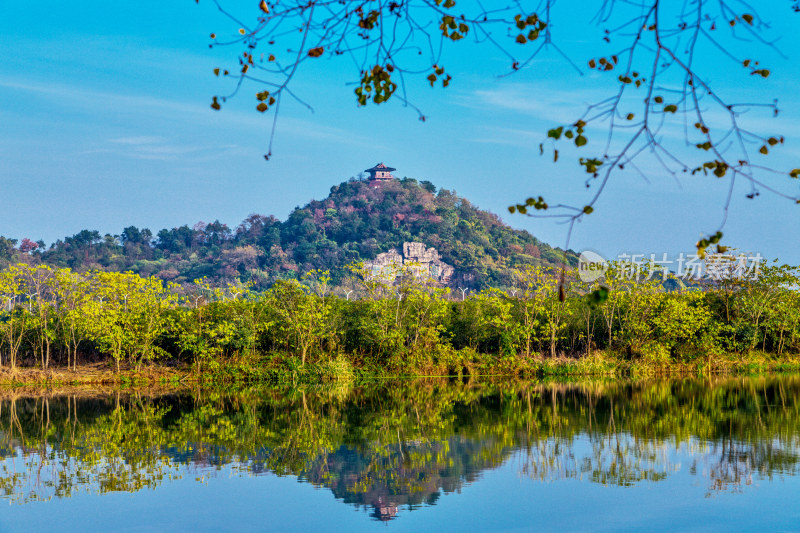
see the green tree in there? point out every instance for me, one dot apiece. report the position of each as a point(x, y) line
point(679, 321)
point(71, 292)
point(15, 313)
point(125, 314)
point(760, 297)
point(301, 316)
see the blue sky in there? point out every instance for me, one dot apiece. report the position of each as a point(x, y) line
point(105, 117)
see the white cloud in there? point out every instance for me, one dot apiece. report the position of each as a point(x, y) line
point(540, 100)
point(99, 102)
point(142, 140)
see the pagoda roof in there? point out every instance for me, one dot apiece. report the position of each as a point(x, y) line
point(380, 167)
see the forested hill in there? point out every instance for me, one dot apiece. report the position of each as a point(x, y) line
point(357, 221)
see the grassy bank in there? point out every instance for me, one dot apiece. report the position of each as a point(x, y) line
point(281, 368)
point(96, 374)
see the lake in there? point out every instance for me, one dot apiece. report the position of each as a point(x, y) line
point(432, 455)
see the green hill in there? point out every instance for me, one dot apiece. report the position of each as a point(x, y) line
point(360, 219)
point(356, 222)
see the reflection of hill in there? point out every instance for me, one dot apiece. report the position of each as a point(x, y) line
point(389, 447)
point(405, 474)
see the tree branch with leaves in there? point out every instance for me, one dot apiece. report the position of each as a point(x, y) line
point(661, 103)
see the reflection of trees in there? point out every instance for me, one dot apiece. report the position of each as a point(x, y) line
point(392, 446)
point(730, 465)
point(56, 447)
point(737, 429)
point(618, 461)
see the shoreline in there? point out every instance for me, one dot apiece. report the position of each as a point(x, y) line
point(339, 369)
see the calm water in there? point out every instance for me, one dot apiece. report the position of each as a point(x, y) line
point(700, 455)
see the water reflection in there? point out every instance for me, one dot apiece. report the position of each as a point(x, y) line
point(395, 446)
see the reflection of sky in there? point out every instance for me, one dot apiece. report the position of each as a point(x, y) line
point(506, 498)
point(105, 123)
point(677, 503)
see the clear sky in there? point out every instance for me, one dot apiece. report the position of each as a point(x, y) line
point(105, 122)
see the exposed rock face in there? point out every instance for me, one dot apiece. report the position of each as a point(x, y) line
point(416, 251)
point(424, 262)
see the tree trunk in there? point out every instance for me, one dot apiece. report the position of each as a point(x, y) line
point(588, 337)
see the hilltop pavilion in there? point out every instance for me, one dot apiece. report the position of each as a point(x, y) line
point(380, 172)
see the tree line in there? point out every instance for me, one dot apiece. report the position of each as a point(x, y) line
point(392, 321)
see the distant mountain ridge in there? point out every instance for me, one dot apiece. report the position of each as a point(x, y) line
point(357, 221)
